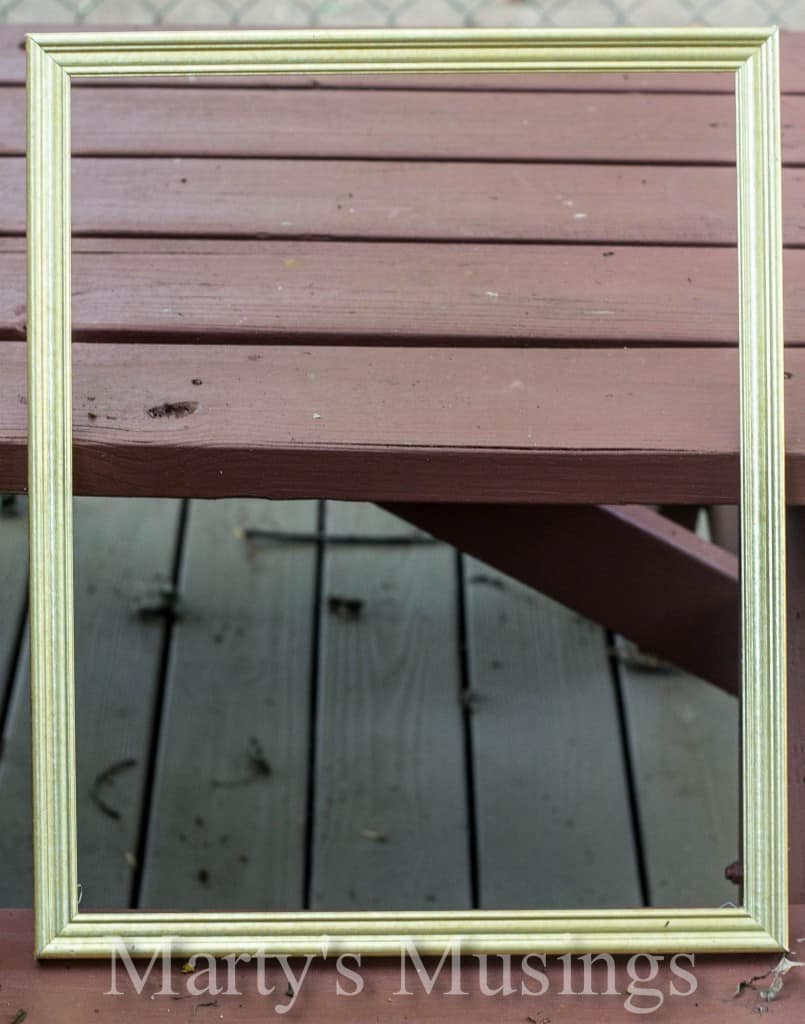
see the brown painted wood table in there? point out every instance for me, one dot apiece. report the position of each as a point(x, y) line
point(476, 301)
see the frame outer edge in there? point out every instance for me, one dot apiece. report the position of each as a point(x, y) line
point(322, 51)
point(762, 491)
point(60, 930)
point(50, 486)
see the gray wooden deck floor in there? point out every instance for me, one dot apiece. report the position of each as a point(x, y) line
point(284, 705)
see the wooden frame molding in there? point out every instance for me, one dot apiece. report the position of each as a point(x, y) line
point(53, 60)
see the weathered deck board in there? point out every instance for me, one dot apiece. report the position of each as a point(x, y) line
point(14, 591)
point(228, 808)
point(409, 200)
point(398, 199)
point(323, 422)
point(124, 549)
point(412, 124)
point(683, 737)
point(124, 552)
point(552, 811)
point(384, 292)
point(379, 292)
point(16, 835)
point(390, 824)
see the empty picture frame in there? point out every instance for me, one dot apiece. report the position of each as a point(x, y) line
point(53, 61)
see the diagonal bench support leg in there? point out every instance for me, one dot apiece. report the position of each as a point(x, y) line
point(625, 566)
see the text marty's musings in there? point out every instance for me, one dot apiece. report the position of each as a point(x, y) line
point(643, 981)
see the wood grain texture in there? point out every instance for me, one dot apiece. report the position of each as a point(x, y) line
point(390, 821)
point(625, 426)
point(381, 292)
point(552, 815)
point(378, 199)
point(228, 808)
point(404, 125)
point(683, 737)
point(123, 553)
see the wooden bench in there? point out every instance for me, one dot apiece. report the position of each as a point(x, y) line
point(512, 295)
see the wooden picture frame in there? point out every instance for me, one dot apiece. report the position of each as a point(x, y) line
point(53, 61)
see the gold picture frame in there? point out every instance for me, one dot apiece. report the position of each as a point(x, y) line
point(53, 61)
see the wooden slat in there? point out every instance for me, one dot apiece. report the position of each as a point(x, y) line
point(792, 46)
point(383, 291)
point(612, 426)
point(552, 815)
point(320, 123)
point(357, 199)
point(123, 553)
point(683, 736)
point(71, 990)
point(390, 788)
point(402, 200)
point(626, 566)
point(228, 811)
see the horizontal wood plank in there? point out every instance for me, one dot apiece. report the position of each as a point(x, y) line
point(379, 292)
point(792, 48)
point(353, 199)
point(609, 426)
point(327, 123)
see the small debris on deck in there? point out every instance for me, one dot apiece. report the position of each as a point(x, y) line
point(106, 778)
point(373, 835)
point(630, 655)
point(160, 601)
point(258, 767)
point(349, 609)
point(487, 581)
point(777, 975)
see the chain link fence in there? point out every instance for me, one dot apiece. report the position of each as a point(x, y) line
point(288, 13)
